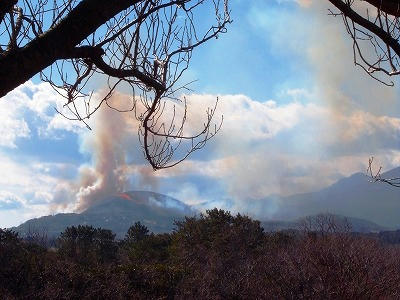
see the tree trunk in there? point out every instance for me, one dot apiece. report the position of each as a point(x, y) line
point(19, 65)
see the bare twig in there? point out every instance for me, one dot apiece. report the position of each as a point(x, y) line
point(376, 176)
point(142, 44)
point(378, 28)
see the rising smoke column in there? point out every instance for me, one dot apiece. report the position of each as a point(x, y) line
point(117, 160)
point(106, 144)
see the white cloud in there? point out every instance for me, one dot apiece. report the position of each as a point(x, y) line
point(10, 200)
point(252, 120)
point(13, 124)
point(29, 187)
point(12, 129)
point(37, 101)
point(18, 174)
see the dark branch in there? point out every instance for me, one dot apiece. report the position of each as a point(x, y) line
point(391, 7)
point(124, 73)
point(377, 177)
point(19, 65)
point(5, 7)
point(356, 18)
point(94, 55)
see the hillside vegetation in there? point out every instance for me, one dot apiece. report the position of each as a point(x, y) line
point(211, 256)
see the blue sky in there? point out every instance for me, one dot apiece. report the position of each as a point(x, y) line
point(297, 117)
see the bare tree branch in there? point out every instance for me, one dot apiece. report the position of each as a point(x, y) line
point(19, 65)
point(374, 29)
point(5, 7)
point(377, 177)
point(145, 45)
point(385, 36)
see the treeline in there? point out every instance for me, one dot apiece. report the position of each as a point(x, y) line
point(211, 256)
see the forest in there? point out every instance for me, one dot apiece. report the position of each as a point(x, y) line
point(215, 255)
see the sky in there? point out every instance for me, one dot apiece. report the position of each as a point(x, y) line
point(298, 116)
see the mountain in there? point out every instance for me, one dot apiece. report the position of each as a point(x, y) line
point(356, 224)
point(354, 196)
point(117, 213)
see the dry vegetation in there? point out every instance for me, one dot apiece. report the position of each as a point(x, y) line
point(212, 256)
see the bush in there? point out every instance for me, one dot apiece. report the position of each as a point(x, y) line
point(215, 250)
point(211, 256)
point(87, 245)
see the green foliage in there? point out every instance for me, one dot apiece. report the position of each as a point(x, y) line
point(20, 264)
point(136, 233)
point(8, 238)
point(11, 268)
point(209, 245)
point(219, 235)
point(86, 244)
point(152, 248)
point(149, 269)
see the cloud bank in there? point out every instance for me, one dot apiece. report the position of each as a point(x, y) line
point(264, 148)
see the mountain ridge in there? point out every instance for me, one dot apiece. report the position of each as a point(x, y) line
point(117, 213)
point(370, 207)
point(353, 196)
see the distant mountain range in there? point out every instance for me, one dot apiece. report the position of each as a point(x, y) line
point(364, 204)
point(356, 224)
point(355, 196)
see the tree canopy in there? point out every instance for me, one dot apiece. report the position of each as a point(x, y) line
point(215, 255)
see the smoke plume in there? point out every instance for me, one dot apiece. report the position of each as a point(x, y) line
point(110, 144)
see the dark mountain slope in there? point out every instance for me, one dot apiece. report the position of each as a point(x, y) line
point(353, 196)
point(356, 224)
point(118, 213)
